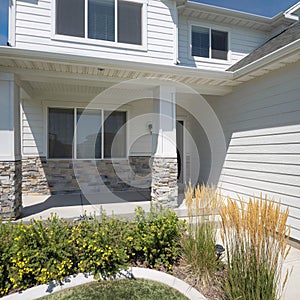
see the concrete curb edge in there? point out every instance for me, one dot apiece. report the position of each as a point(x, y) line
point(79, 279)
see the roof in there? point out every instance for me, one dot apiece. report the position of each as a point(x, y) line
point(284, 38)
point(231, 17)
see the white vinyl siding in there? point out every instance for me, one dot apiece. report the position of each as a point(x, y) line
point(32, 128)
point(34, 30)
point(262, 126)
point(241, 41)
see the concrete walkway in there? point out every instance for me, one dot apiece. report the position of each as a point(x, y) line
point(71, 206)
point(292, 262)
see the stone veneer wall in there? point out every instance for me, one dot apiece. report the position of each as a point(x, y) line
point(44, 177)
point(10, 189)
point(164, 181)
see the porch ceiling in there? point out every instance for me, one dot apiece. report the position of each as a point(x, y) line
point(41, 74)
point(38, 77)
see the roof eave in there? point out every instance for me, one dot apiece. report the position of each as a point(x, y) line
point(291, 49)
point(33, 55)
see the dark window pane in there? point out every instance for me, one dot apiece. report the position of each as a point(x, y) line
point(219, 44)
point(129, 22)
point(114, 134)
point(70, 17)
point(88, 133)
point(101, 19)
point(60, 132)
point(200, 41)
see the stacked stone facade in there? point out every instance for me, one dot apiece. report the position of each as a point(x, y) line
point(10, 189)
point(39, 176)
point(45, 177)
point(164, 181)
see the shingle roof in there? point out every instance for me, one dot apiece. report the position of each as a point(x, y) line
point(284, 38)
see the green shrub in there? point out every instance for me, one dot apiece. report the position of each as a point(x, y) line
point(40, 252)
point(100, 247)
point(155, 237)
point(6, 242)
point(51, 250)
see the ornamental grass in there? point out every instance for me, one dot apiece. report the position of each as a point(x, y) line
point(198, 245)
point(256, 236)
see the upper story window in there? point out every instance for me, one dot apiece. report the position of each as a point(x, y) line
point(209, 43)
point(109, 20)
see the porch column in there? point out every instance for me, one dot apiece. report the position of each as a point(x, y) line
point(164, 188)
point(10, 149)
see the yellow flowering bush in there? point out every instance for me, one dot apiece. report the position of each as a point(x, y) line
point(42, 251)
point(100, 246)
point(155, 237)
point(6, 242)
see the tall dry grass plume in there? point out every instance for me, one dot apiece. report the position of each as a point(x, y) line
point(256, 236)
point(203, 204)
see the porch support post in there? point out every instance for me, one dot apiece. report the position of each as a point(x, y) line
point(10, 149)
point(164, 188)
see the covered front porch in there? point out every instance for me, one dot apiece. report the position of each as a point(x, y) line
point(92, 133)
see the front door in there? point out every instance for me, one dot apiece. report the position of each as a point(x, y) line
point(180, 150)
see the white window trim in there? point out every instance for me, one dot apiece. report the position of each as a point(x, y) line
point(209, 59)
point(75, 108)
point(115, 44)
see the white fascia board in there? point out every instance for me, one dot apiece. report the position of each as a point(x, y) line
point(275, 56)
point(67, 59)
point(291, 12)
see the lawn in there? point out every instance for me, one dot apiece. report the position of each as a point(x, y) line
point(137, 289)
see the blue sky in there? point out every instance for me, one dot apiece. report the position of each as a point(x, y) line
point(268, 8)
point(3, 21)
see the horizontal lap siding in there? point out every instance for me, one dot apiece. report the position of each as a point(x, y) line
point(261, 121)
point(33, 31)
point(32, 128)
point(242, 42)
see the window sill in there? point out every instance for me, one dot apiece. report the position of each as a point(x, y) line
point(210, 60)
point(94, 42)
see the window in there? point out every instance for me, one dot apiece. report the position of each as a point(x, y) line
point(114, 134)
point(70, 17)
point(209, 43)
point(88, 133)
point(108, 20)
point(91, 141)
point(60, 132)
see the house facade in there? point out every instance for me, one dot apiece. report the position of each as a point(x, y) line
point(146, 95)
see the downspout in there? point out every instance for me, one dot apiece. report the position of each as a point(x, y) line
point(178, 5)
point(11, 41)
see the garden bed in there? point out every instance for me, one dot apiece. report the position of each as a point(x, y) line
point(255, 234)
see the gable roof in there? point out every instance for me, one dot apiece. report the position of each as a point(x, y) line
point(287, 36)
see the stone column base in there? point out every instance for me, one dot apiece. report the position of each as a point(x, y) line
point(10, 189)
point(164, 187)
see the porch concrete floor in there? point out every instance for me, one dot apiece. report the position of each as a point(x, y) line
point(70, 206)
